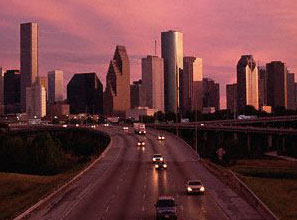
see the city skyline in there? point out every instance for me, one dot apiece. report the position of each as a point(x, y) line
point(272, 24)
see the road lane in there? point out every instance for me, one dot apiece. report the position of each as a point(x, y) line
point(125, 185)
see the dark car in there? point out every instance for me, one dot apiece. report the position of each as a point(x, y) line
point(166, 208)
point(161, 165)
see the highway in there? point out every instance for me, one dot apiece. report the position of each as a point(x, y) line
point(123, 184)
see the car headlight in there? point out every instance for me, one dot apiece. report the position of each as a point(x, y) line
point(189, 189)
point(143, 143)
point(144, 132)
point(202, 189)
point(161, 159)
point(165, 165)
point(157, 166)
point(138, 144)
point(154, 159)
point(163, 138)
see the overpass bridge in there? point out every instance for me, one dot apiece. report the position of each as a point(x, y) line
point(254, 141)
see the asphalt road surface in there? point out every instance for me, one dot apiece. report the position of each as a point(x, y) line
point(124, 185)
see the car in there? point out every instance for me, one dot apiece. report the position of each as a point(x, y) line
point(161, 137)
point(195, 186)
point(76, 125)
point(166, 208)
point(157, 158)
point(105, 124)
point(93, 126)
point(125, 128)
point(140, 143)
point(161, 165)
point(64, 126)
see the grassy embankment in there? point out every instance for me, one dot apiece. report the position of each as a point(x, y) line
point(274, 182)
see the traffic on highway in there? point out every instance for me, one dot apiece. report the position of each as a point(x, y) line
point(164, 180)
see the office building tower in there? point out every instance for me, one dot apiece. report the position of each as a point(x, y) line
point(277, 84)
point(262, 87)
point(153, 81)
point(117, 91)
point(191, 84)
point(29, 58)
point(211, 93)
point(55, 86)
point(85, 94)
point(231, 95)
point(36, 100)
point(291, 91)
point(2, 71)
point(172, 53)
point(247, 83)
point(12, 92)
point(138, 94)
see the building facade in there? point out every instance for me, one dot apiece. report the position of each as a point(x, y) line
point(277, 84)
point(138, 94)
point(85, 94)
point(153, 81)
point(172, 53)
point(247, 83)
point(263, 78)
point(231, 95)
point(36, 100)
point(12, 92)
point(211, 94)
point(191, 84)
point(291, 104)
point(2, 71)
point(29, 58)
point(117, 91)
point(55, 86)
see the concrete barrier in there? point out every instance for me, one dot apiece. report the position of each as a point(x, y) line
point(231, 180)
point(64, 187)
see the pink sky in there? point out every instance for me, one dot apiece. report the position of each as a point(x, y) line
point(81, 35)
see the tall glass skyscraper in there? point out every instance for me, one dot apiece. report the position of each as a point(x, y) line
point(247, 83)
point(172, 53)
point(29, 58)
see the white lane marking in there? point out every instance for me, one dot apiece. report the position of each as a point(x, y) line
point(144, 186)
point(144, 196)
point(143, 208)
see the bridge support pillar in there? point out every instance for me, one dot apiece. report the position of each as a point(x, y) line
point(249, 143)
point(205, 136)
point(235, 137)
point(284, 143)
point(269, 142)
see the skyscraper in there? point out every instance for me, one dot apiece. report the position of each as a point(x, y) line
point(291, 91)
point(191, 84)
point(153, 81)
point(36, 100)
point(117, 91)
point(262, 86)
point(138, 94)
point(12, 91)
point(231, 95)
point(55, 86)
point(211, 93)
point(277, 84)
point(2, 71)
point(29, 58)
point(85, 94)
point(172, 53)
point(247, 83)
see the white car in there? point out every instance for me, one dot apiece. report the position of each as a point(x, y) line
point(195, 186)
point(158, 158)
point(141, 143)
point(161, 137)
